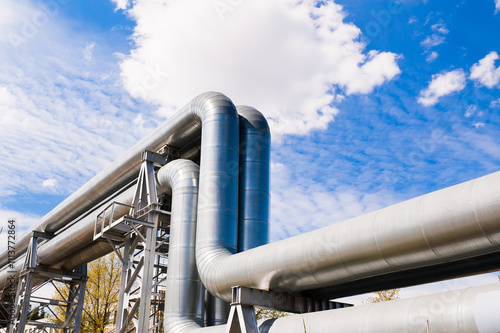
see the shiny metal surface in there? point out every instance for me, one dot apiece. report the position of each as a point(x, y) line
point(183, 308)
point(462, 221)
point(180, 130)
point(472, 310)
point(253, 192)
point(210, 109)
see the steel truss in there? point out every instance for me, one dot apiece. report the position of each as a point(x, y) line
point(140, 240)
point(242, 315)
point(66, 308)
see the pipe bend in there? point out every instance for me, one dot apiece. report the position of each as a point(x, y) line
point(179, 130)
point(183, 305)
point(218, 229)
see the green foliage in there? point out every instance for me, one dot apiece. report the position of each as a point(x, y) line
point(383, 296)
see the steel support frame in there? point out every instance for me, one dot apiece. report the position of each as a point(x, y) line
point(70, 302)
point(139, 297)
point(242, 315)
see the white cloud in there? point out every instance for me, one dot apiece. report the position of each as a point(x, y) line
point(495, 104)
point(485, 71)
point(440, 28)
point(432, 40)
point(442, 85)
point(478, 125)
point(50, 183)
point(497, 6)
point(437, 38)
point(289, 59)
point(87, 54)
point(22, 222)
point(61, 117)
point(432, 56)
point(120, 4)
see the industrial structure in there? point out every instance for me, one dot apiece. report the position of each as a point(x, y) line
point(187, 212)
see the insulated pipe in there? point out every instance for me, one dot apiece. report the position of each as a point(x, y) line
point(471, 310)
point(213, 112)
point(452, 224)
point(181, 129)
point(68, 249)
point(253, 195)
point(253, 192)
point(183, 286)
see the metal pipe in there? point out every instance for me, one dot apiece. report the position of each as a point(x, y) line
point(213, 112)
point(459, 222)
point(471, 310)
point(253, 191)
point(180, 130)
point(183, 285)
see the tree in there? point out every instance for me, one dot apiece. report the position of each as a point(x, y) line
point(383, 296)
point(101, 295)
point(262, 313)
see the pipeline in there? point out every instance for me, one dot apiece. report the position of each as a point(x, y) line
point(212, 112)
point(468, 310)
point(459, 222)
point(471, 310)
point(179, 131)
point(451, 225)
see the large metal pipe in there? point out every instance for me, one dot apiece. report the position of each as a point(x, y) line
point(459, 222)
point(253, 219)
point(253, 192)
point(180, 130)
point(472, 310)
point(183, 285)
point(213, 112)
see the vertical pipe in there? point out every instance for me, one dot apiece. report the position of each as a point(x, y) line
point(253, 192)
point(183, 286)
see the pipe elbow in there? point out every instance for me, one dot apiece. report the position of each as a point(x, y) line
point(177, 174)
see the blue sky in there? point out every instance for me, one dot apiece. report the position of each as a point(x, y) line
point(370, 102)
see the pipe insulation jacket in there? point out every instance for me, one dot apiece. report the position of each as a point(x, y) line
point(462, 221)
point(471, 310)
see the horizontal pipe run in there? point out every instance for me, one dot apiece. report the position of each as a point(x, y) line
point(452, 224)
point(471, 310)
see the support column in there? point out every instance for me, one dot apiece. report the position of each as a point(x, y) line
point(70, 287)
